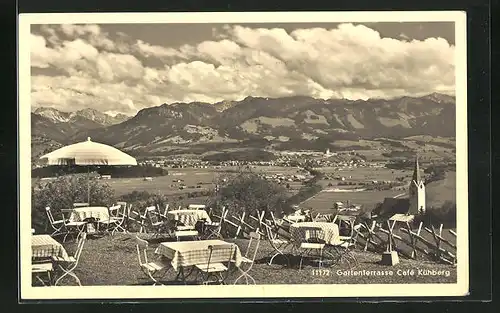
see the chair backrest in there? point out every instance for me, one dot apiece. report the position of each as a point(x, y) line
point(49, 215)
point(314, 234)
point(122, 203)
point(141, 246)
point(253, 246)
point(123, 213)
point(66, 214)
point(223, 214)
point(113, 210)
point(152, 214)
point(268, 231)
point(348, 221)
point(167, 207)
point(317, 217)
point(211, 249)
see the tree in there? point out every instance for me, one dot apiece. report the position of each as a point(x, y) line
point(62, 192)
point(248, 192)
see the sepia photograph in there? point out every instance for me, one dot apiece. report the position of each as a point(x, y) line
point(233, 155)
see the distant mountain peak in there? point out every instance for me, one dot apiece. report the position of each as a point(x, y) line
point(96, 116)
point(439, 97)
point(53, 114)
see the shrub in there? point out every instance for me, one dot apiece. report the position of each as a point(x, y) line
point(445, 214)
point(62, 192)
point(114, 171)
point(247, 191)
point(140, 200)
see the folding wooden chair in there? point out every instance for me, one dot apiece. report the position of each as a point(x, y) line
point(116, 219)
point(249, 257)
point(38, 269)
point(72, 227)
point(71, 262)
point(57, 225)
point(139, 219)
point(278, 241)
point(119, 221)
point(214, 229)
point(149, 268)
point(156, 224)
point(346, 243)
point(121, 203)
point(313, 242)
point(216, 270)
point(163, 214)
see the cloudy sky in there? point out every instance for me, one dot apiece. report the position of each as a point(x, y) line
point(126, 67)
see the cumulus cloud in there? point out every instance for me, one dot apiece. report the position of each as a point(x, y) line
point(110, 72)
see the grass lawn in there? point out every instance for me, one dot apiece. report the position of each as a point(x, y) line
point(112, 260)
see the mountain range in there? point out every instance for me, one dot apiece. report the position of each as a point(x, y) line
point(297, 122)
point(61, 126)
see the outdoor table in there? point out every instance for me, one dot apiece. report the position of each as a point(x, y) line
point(44, 246)
point(189, 253)
point(95, 212)
point(188, 217)
point(330, 232)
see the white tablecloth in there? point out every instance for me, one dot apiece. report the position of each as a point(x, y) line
point(188, 253)
point(97, 212)
point(330, 232)
point(44, 246)
point(188, 217)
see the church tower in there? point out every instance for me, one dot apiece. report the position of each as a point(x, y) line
point(416, 192)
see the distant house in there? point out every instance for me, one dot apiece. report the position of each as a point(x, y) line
point(338, 205)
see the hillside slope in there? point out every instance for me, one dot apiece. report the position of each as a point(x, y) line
point(283, 123)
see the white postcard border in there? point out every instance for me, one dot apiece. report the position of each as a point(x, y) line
point(28, 292)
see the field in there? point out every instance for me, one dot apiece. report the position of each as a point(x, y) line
point(428, 147)
point(192, 179)
point(323, 201)
point(117, 265)
point(442, 190)
point(364, 174)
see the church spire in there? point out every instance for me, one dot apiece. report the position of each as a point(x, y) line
point(416, 171)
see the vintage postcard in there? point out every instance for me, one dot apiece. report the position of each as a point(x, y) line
point(242, 155)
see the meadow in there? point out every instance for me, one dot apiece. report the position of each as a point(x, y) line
point(117, 265)
point(363, 174)
point(179, 182)
point(323, 201)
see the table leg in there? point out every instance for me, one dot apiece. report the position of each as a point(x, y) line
point(181, 275)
